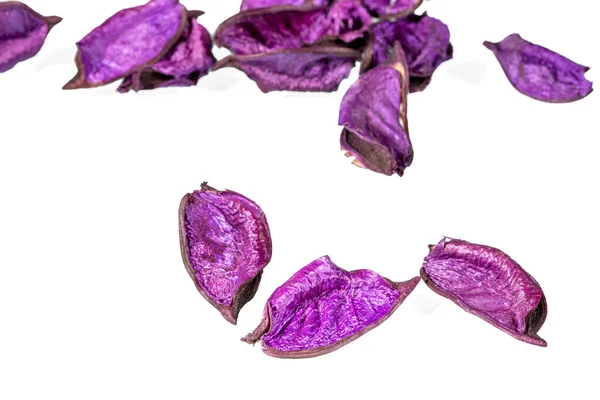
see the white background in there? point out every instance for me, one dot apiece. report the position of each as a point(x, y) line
point(95, 302)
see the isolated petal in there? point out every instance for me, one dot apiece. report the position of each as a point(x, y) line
point(540, 73)
point(22, 33)
point(225, 244)
point(127, 42)
point(425, 41)
point(308, 69)
point(373, 114)
point(323, 307)
point(391, 8)
point(189, 60)
point(488, 283)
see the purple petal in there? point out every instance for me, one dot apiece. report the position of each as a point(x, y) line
point(127, 42)
point(488, 283)
point(252, 4)
point(225, 244)
point(22, 33)
point(540, 73)
point(309, 69)
point(388, 9)
point(323, 307)
point(426, 43)
point(373, 114)
point(189, 60)
point(347, 20)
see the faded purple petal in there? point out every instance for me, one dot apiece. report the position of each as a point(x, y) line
point(323, 307)
point(373, 114)
point(276, 28)
point(225, 244)
point(309, 69)
point(252, 4)
point(22, 33)
point(488, 283)
point(189, 60)
point(391, 8)
point(425, 41)
point(540, 73)
point(347, 20)
point(127, 42)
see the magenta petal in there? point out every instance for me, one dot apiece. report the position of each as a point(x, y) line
point(22, 33)
point(373, 114)
point(308, 69)
point(252, 4)
point(127, 42)
point(387, 9)
point(189, 60)
point(225, 244)
point(488, 283)
point(425, 41)
point(540, 73)
point(347, 21)
point(323, 307)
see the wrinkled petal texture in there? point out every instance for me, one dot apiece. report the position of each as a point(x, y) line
point(307, 69)
point(347, 20)
point(129, 40)
point(252, 4)
point(190, 59)
point(260, 31)
point(540, 73)
point(391, 8)
point(370, 112)
point(323, 304)
point(228, 241)
point(22, 33)
point(426, 43)
point(485, 281)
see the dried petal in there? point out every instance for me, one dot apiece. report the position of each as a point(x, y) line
point(387, 9)
point(22, 33)
point(347, 21)
point(225, 244)
point(540, 73)
point(426, 43)
point(127, 42)
point(488, 283)
point(308, 69)
point(252, 4)
point(323, 307)
point(373, 114)
point(189, 60)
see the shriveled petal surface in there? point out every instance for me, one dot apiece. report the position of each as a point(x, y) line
point(540, 73)
point(373, 114)
point(323, 307)
point(309, 69)
point(225, 244)
point(276, 28)
point(189, 60)
point(347, 20)
point(426, 43)
point(128, 41)
point(22, 33)
point(251, 4)
point(392, 8)
point(488, 283)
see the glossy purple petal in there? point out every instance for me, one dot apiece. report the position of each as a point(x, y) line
point(252, 4)
point(540, 73)
point(387, 9)
point(426, 43)
point(373, 114)
point(488, 283)
point(225, 244)
point(275, 28)
point(22, 33)
point(323, 307)
point(189, 60)
point(309, 69)
point(127, 42)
